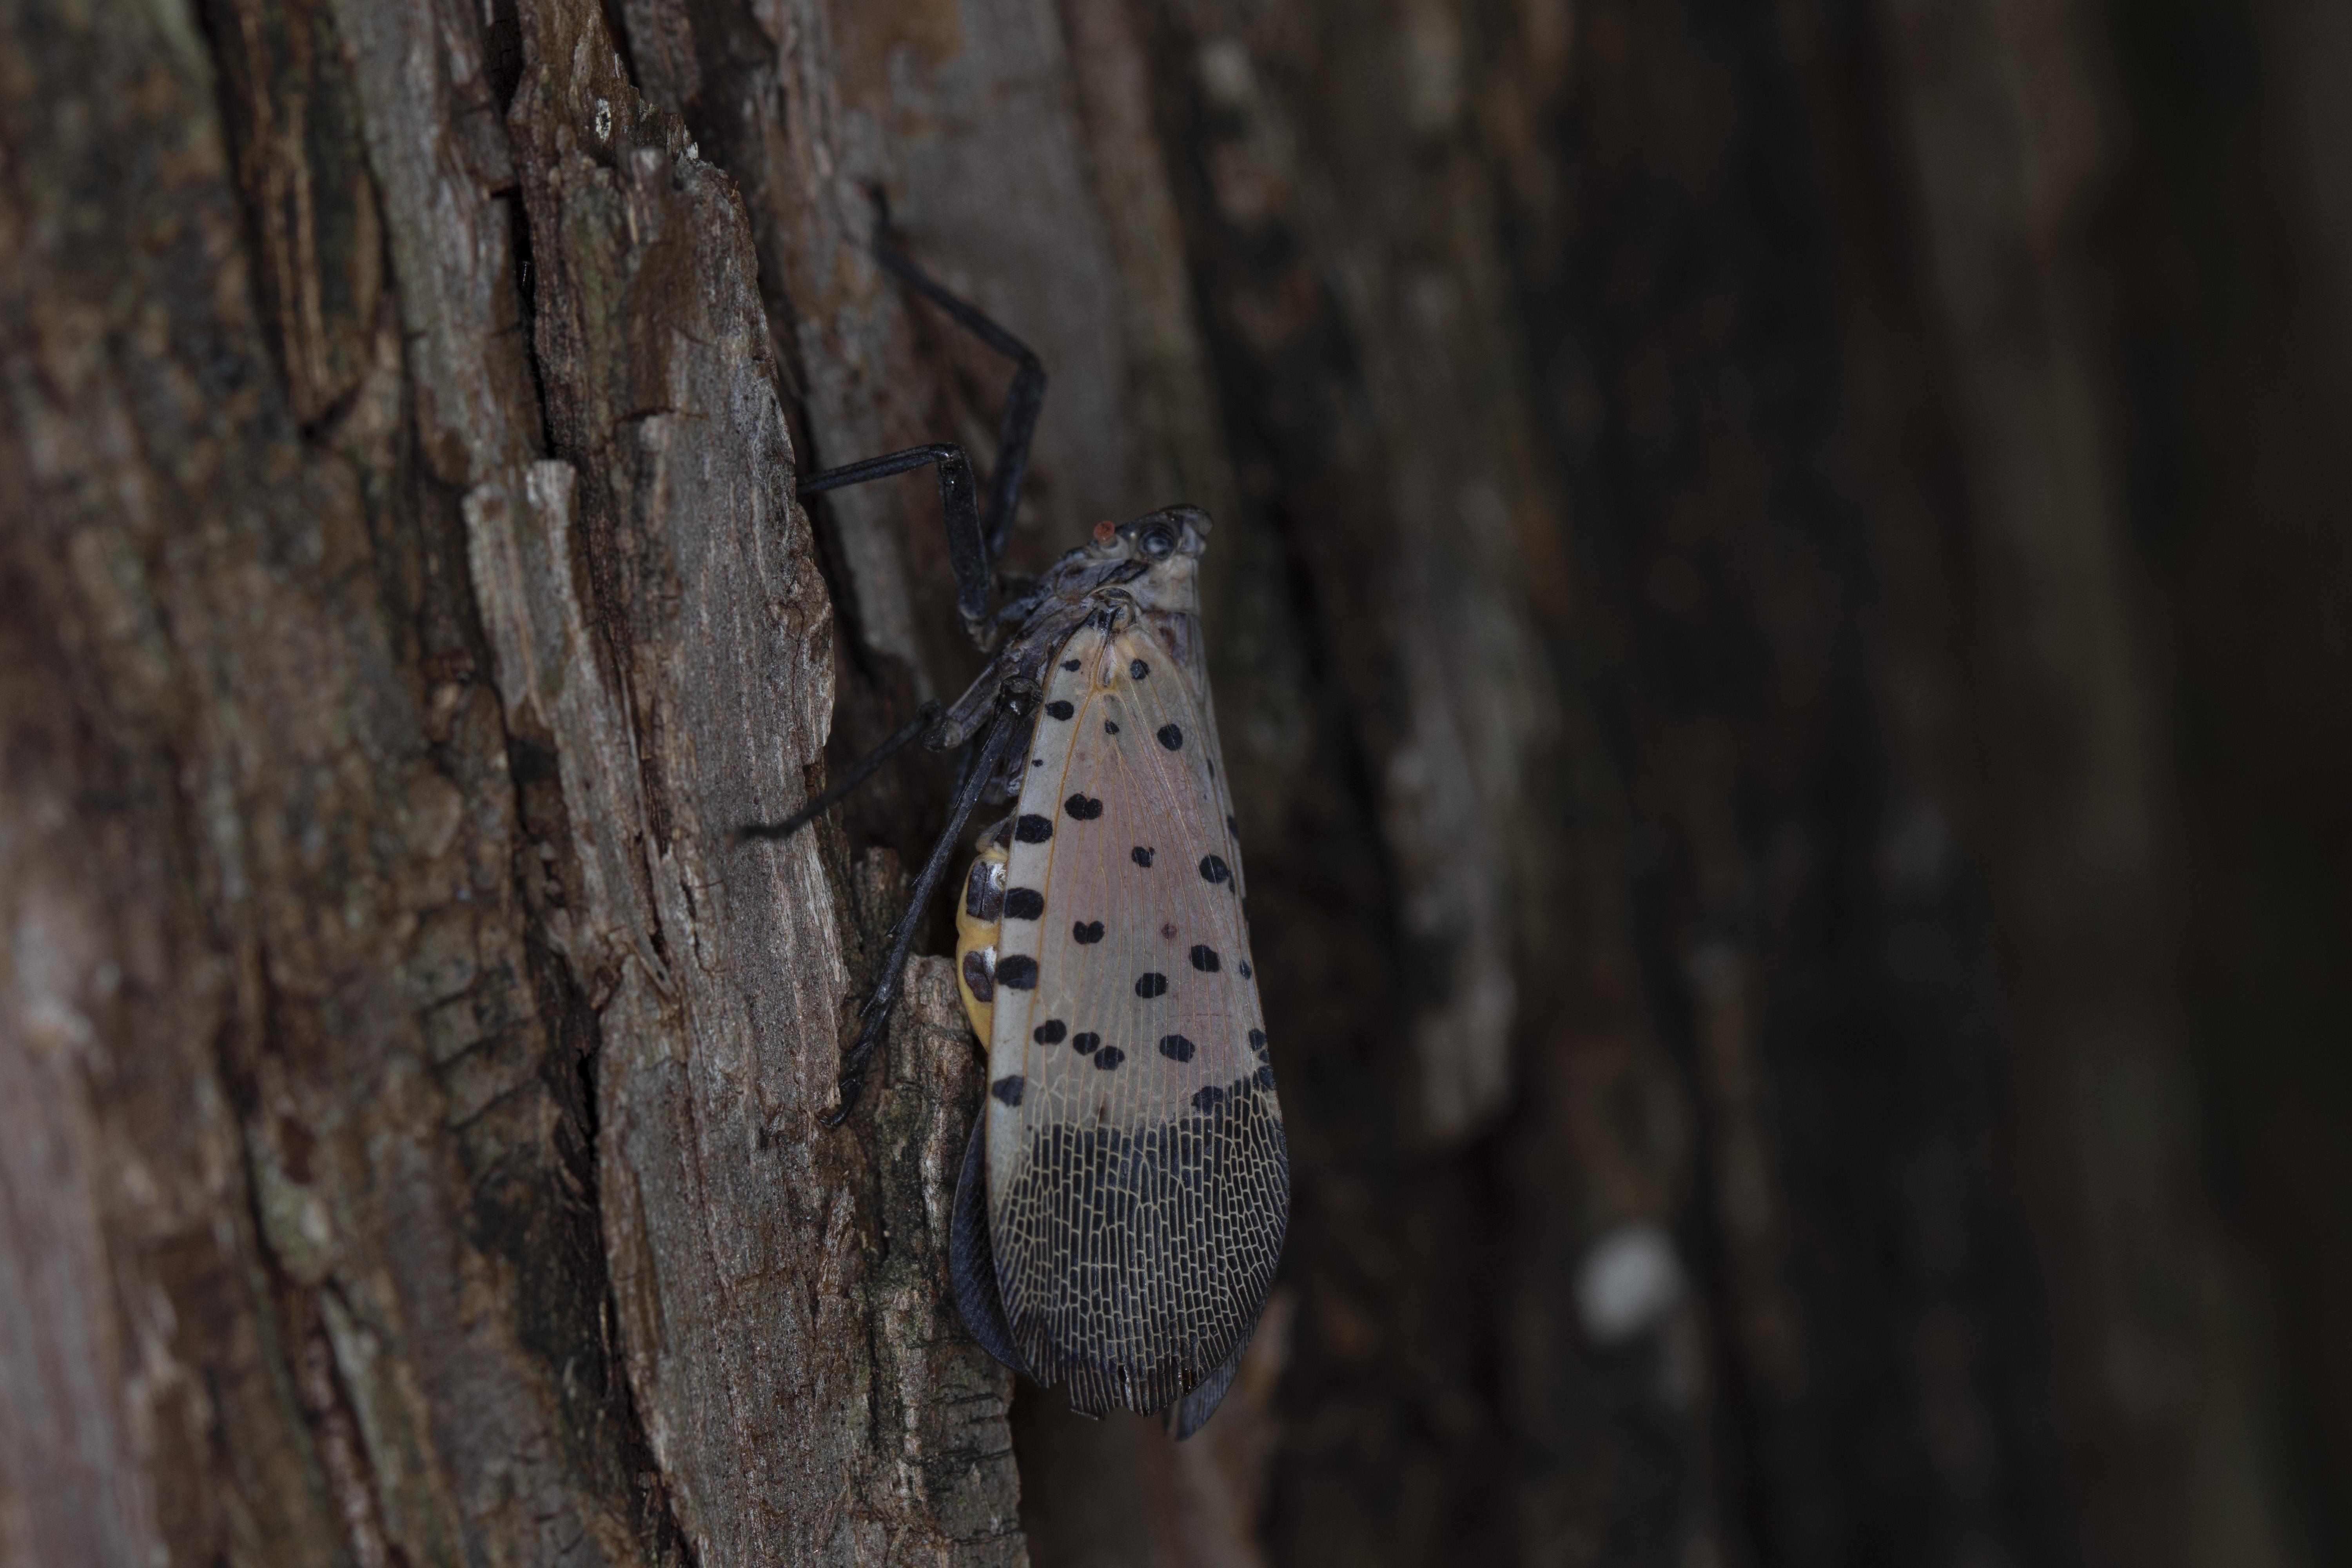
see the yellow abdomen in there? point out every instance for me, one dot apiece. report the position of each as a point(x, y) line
point(979, 916)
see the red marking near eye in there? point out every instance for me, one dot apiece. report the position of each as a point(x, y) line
point(1103, 531)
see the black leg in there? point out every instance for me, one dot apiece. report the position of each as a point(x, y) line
point(1015, 703)
point(860, 771)
point(968, 550)
point(974, 543)
point(973, 546)
point(1022, 403)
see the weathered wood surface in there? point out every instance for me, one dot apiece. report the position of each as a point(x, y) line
point(1772, 611)
point(414, 1093)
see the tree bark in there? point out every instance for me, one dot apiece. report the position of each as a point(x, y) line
point(415, 1091)
point(1773, 610)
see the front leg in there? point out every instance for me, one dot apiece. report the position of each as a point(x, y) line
point(968, 550)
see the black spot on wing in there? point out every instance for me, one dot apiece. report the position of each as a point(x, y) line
point(1086, 932)
point(1141, 856)
point(1050, 1032)
point(1008, 1090)
point(1139, 669)
point(1083, 807)
point(1034, 829)
point(977, 977)
point(1209, 1097)
point(1245, 969)
point(1171, 737)
point(1204, 958)
point(1016, 971)
point(1109, 727)
point(1059, 709)
point(1024, 904)
point(1213, 869)
point(1108, 1057)
point(1085, 1042)
point(1176, 1047)
point(1149, 984)
point(1070, 664)
point(1263, 1077)
point(1257, 1039)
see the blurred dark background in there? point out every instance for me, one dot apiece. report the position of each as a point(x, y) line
point(1778, 617)
point(1778, 628)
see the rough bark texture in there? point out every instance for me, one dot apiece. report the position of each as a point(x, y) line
point(1776, 607)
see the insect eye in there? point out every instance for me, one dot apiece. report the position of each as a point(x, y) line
point(1157, 541)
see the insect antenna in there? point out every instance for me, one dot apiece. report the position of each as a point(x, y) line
point(1014, 704)
point(860, 771)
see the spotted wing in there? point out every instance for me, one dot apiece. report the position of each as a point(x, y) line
point(1138, 1180)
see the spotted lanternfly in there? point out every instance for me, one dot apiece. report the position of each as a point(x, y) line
point(1126, 1185)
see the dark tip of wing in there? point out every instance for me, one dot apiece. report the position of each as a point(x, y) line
point(1178, 1224)
point(972, 1262)
point(1192, 1413)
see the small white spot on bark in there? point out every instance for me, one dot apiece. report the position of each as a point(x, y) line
point(1225, 73)
point(1629, 1281)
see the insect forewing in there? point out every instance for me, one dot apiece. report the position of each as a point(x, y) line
point(1138, 1180)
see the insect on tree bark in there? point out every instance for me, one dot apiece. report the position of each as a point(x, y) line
point(1122, 1201)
